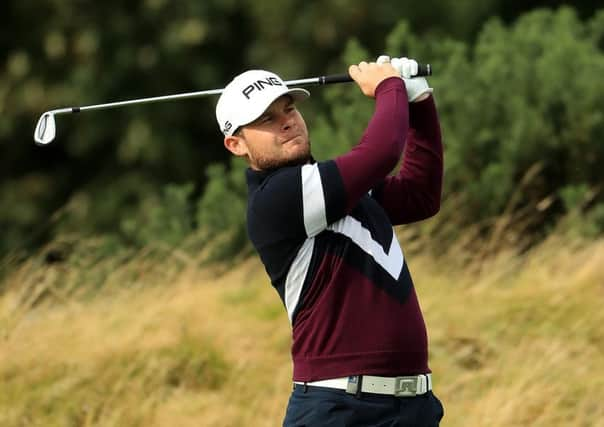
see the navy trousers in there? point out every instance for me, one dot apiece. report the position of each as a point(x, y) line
point(320, 406)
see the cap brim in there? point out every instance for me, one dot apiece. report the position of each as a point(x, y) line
point(298, 94)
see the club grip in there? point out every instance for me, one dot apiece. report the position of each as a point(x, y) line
point(335, 78)
point(423, 70)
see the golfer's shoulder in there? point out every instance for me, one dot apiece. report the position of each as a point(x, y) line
point(278, 187)
point(282, 177)
point(276, 204)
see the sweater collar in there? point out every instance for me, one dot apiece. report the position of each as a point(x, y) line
point(255, 178)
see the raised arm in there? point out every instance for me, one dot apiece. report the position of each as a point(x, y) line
point(382, 143)
point(415, 192)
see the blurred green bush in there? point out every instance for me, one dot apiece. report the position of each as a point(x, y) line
point(520, 103)
point(522, 114)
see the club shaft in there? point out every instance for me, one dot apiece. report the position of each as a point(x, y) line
point(186, 95)
point(139, 101)
point(321, 80)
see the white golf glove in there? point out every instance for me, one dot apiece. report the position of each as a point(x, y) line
point(407, 68)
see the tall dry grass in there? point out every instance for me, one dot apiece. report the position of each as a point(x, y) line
point(160, 341)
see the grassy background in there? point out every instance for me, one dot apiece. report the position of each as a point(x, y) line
point(515, 341)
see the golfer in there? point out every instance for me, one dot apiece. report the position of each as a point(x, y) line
point(324, 231)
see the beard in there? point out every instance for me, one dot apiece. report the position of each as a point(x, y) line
point(301, 157)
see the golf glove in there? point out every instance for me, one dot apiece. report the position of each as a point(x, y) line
point(407, 68)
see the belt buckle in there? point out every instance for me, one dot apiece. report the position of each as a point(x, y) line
point(405, 386)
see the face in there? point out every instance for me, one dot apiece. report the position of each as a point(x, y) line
point(277, 138)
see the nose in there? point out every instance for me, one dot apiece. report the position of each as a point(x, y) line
point(287, 122)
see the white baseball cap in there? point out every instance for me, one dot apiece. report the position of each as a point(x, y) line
point(248, 95)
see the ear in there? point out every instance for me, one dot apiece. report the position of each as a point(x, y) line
point(236, 145)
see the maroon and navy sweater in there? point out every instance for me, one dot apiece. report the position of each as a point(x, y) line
point(324, 233)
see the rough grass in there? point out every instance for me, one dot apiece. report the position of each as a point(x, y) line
point(518, 341)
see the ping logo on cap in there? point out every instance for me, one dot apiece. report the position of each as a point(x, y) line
point(260, 84)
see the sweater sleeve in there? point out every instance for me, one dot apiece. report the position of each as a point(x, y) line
point(415, 192)
point(381, 145)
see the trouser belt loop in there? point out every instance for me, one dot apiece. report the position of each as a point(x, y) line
point(354, 385)
point(359, 388)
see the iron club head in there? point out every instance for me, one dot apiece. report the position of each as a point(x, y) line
point(45, 129)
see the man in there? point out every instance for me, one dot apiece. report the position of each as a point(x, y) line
point(324, 233)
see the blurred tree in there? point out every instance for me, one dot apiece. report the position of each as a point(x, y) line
point(77, 53)
point(107, 166)
point(522, 116)
point(509, 10)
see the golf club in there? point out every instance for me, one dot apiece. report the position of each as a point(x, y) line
point(46, 129)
